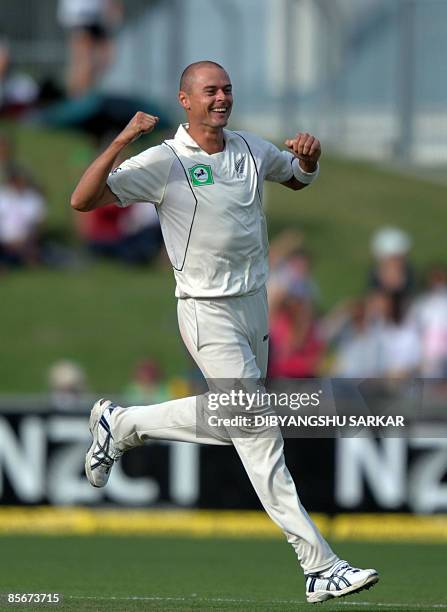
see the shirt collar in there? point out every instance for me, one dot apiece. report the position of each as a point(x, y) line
point(182, 136)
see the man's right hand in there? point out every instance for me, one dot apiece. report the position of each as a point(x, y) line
point(92, 190)
point(141, 123)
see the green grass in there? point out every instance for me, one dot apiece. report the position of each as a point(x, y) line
point(104, 573)
point(108, 317)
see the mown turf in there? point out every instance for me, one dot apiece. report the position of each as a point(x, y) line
point(105, 573)
point(106, 318)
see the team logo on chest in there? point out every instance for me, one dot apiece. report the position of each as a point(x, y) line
point(201, 175)
point(239, 165)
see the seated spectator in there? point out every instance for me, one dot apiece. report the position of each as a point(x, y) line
point(147, 385)
point(67, 384)
point(428, 315)
point(103, 230)
point(90, 25)
point(295, 271)
point(22, 210)
point(400, 346)
point(142, 234)
point(382, 344)
point(296, 349)
point(392, 271)
point(285, 243)
point(352, 330)
point(18, 91)
point(131, 235)
point(290, 267)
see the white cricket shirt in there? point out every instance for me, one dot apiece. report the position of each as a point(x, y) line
point(210, 208)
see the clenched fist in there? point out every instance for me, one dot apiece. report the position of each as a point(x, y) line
point(141, 123)
point(307, 148)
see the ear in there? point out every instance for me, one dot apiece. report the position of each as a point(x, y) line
point(183, 99)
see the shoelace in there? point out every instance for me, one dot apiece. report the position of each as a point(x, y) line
point(103, 456)
point(335, 569)
point(341, 565)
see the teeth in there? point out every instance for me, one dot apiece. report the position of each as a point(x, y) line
point(220, 110)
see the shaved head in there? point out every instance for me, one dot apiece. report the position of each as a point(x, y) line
point(206, 96)
point(190, 72)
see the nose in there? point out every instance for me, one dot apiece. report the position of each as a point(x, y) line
point(223, 95)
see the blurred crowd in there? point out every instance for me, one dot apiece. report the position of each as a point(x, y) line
point(90, 26)
point(397, 328)
point(22, 211)
point(130, 235)
point(68, 384)
point(391, 331)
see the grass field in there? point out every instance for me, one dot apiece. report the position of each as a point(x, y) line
point(108, 317)
point(150, 573)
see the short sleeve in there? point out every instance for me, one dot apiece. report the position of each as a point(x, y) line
point(142, 178)
point(272, 164)
point(278, 164)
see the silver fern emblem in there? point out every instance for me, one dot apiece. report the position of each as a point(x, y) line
point(239, 165)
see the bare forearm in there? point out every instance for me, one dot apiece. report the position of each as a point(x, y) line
point(92, 190)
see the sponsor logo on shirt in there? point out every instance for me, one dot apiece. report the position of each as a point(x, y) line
point(201, 175)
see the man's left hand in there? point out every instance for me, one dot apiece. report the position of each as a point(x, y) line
point(307, 148)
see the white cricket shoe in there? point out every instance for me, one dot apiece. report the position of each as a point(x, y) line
point(340, 580)
point(102, 453)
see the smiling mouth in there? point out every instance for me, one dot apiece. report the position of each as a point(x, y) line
point(220, 110)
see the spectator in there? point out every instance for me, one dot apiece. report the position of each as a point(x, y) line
point(103, 230)
point(428, 315)
point(290, 268)
point(392, 271)
point(18, 91)
point(357, 351)
point(147, 385)
point(22, 210)
point(291, 276)
point(283, 245)
point(296, 349)
point(143, 240)
point(67, 383)
point(381, 344)
point(131, 235)
point(90, 24)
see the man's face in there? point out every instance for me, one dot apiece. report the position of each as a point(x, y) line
point(209, 99)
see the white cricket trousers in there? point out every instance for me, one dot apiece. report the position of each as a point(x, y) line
point(228, 339)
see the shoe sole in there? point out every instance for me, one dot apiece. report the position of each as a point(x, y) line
point(323, 596)
point(95, 415)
